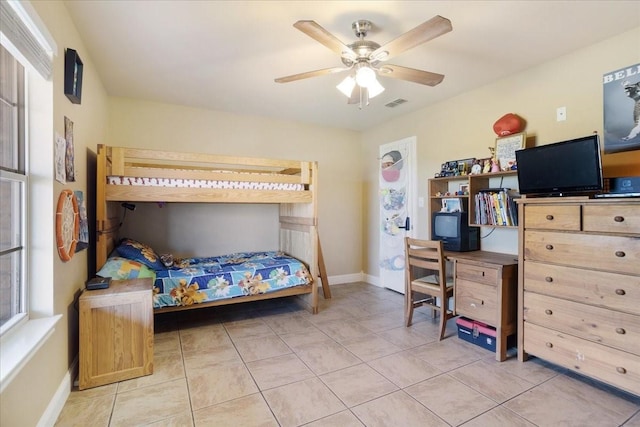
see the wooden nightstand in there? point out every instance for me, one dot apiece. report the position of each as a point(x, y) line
point(116, 332)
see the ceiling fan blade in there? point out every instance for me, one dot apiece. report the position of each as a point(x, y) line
point(411, 74)
point(309, 74)
point(319, 34)
point(424, 32)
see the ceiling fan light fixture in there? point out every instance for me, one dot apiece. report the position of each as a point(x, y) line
point(346, 86)
point(375, 89)
point(365, 76)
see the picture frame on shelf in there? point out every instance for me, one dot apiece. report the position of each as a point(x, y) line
point(506, 147)
point(451, 205)
point(464, 188)
point(73, 68)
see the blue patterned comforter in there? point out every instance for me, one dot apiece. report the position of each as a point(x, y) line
point(199, 280)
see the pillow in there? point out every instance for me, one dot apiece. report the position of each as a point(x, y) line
point(121, 269)
point(140, 252)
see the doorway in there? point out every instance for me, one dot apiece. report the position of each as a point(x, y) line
point(397, 200)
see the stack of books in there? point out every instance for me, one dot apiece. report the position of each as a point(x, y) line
point(496, 206)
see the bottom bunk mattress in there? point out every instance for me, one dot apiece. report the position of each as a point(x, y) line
point(198, 280)
point(188, 281)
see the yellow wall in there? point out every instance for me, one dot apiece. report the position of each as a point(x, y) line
point(56, 284)
point(462, 127)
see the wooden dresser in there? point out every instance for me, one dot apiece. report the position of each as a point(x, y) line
point(485, 290)
point(579, 286)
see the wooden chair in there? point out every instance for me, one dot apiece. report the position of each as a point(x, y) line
point(426, 281)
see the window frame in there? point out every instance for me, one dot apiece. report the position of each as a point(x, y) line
point(20, 201)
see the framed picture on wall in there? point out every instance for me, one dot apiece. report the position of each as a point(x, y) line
point(73, 76)
point(506, 147)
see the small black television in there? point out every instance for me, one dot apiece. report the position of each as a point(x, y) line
point(565, 168)
point(454, 231)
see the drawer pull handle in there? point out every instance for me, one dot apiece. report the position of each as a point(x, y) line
point(621, 331)
point(620, 254)
point(621, 370)
point(550, 217)
point(550, 247)
point(550, 345)
point(620, 292)
point(548, 279)
point(549, 312)
point(618, 218)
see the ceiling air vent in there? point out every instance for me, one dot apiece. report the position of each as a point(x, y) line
point(395, 103)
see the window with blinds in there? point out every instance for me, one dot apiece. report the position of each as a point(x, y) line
point(13, 191)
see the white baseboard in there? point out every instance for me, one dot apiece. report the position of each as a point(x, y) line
point(60, 397)
point(351, 278)
point(346, 278)
point(374, 280)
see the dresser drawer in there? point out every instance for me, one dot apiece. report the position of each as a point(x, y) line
point(614, 219)
point(612, 328)
point(476, 301)
point(609, 290)
point(477, 273)
point(615, 367)
point(610, 253)
point(552, 217)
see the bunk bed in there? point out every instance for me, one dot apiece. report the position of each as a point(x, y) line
point(143, 175)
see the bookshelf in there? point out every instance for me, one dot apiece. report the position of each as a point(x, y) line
point(439, 187)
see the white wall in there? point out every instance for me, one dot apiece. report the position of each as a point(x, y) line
point(462, 127)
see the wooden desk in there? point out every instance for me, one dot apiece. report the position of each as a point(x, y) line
point(486, 289)
point(116, 332)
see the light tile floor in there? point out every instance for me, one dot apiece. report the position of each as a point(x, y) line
point(273, 363)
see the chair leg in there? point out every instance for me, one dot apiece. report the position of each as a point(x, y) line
point(408, 308)
point(443, 324)
point(444, 310)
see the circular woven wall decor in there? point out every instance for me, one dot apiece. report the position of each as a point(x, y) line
point(67, 224)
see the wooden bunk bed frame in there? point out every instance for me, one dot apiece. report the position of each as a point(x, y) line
point(298, 208)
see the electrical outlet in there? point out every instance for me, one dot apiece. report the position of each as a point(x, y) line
point(561, 114)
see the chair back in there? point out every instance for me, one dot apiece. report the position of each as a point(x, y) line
point(424, 255)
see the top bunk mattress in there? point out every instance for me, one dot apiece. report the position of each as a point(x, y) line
point(203, 183)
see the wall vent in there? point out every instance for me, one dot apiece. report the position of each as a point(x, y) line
point(395, 103)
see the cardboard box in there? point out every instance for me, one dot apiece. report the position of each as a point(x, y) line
point(477, 333)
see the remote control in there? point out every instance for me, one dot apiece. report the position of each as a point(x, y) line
point(98, 283)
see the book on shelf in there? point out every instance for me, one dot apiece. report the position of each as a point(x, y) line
point(496, 206)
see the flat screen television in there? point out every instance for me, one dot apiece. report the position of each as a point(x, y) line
point(572, 167)
point(454, 231)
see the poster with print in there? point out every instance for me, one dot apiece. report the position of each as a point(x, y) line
point(60, 149)
point(622, 109)
point(83, 238)
point(69, 155)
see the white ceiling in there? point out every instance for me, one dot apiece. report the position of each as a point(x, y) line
point(224, 55)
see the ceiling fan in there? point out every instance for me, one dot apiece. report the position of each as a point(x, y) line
point(366, 57)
